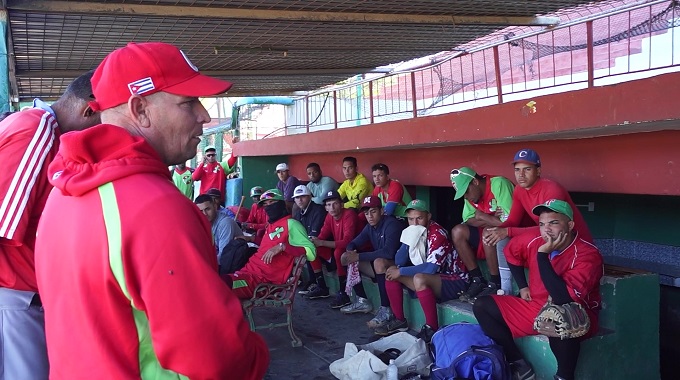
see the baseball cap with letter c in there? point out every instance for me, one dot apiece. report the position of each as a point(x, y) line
point(147, 68)
point(528, 156)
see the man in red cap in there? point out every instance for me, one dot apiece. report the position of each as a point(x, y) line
point(126, 261)
point(29, 141)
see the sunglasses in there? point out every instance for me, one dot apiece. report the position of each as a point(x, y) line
point(210, 155)
point(455, 173)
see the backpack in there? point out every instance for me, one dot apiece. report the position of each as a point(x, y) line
point(463, 351)
point(234, 256)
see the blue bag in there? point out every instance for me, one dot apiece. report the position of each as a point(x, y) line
point(463, 351)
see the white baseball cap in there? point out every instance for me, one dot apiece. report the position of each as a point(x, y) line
point(281, 167)
point(300, 191)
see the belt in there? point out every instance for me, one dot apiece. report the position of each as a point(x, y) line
point(35, 301)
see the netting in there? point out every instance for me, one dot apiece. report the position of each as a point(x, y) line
point(629, 42)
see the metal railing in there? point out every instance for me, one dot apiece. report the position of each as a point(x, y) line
point(615, 45)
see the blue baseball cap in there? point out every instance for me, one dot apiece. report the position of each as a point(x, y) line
point(528, 156)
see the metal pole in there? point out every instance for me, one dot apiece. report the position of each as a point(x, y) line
point(591, 68)
point(335, 110)
point(497, 68)
point(370, 96)
point(413, 94)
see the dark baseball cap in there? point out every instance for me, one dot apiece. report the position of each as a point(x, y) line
point(370, 202)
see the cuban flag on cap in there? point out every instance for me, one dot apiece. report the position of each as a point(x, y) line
point(141, 86)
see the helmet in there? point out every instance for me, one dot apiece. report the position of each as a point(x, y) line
point(256, 191)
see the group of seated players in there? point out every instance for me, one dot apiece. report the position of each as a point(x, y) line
point(376, 230)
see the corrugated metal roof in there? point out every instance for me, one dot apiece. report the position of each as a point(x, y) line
point(265, 47)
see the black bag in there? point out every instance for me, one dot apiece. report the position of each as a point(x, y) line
point(235, 255)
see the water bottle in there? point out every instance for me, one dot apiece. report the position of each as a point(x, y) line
point(392, 371)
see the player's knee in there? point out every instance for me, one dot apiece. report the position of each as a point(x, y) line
point(419, 282)
point(460, 232)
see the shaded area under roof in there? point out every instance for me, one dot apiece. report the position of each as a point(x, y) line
point(264, 46)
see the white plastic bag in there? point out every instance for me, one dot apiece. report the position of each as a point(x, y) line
point(362, 363)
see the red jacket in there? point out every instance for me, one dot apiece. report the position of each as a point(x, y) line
point(154, 299)
point(211, 175)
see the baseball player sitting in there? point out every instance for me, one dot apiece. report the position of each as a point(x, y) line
point(561, 298)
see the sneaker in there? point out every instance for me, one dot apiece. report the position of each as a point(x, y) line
point(392, 326)
point(490, 289)
point(521, 370)
point(316, 292)
point(425, 333)
point(381, 318)
point(477, 286)
point(341, 300)
point(361, 305)
point(304, 287)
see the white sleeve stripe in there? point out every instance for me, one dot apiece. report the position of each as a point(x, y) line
point(15, 201)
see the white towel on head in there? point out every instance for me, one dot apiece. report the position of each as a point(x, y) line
point(416, 239)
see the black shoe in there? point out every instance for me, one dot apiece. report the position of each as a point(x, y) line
point(304, 287)
point(392, 326)
point(521, 370)
point(490, 290)
point(316, 292)
point(426, 333)
point(341, 300)
point(477, 286)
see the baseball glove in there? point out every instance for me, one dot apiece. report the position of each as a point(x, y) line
point(562, 321)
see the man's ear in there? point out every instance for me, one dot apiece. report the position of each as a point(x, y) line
point(139, 110)
point(571, 225)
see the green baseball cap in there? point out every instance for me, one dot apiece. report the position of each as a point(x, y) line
point(209, 147)
point(460, 179)
point(271, 195)
point(554, 205)
point(417, 204)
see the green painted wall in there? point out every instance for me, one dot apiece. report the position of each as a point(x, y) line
point(645, 218)
point(259, 171)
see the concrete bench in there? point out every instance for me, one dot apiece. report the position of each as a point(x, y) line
point(626, 346)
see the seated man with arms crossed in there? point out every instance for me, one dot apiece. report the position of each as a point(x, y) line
point(355, 187)
point(284, 239)
point(487, 203)
point(382, 232)
point(440, 276)
point(339, 228)
point(562, 266)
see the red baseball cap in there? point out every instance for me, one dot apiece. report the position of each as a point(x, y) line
point(147, 68)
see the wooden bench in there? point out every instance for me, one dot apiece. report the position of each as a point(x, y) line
point(277, 295)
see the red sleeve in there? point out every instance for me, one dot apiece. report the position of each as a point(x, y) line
point(395, 192)
point(350, 224)
point(26, 143)
point(327, 228)
point(584, 276)
point(376, 192)
point(517, 210)
point(198, 173)
point(517, 249)
point(231, 161)
point(176, 284)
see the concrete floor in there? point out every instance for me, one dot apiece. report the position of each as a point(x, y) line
point(323, 331)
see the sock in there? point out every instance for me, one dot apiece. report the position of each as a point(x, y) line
point(396, 296)
point(496, 279)
point(384, 300)
point(359, 290)
point(310, 271)
point(343, 283)
point(320, 280)
point(475, 273)
point(428, 302)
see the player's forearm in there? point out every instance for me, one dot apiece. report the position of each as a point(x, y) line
point(555, 285)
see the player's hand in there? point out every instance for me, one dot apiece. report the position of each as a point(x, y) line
point(349, 257)
point(499, 213)
point(271, 252)
point(392, 273)
point(551, 244)
point(491, 236)
point(525, 294)
point(315, 240)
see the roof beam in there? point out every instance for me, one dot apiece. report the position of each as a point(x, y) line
point(82, 7)
point(217, 73)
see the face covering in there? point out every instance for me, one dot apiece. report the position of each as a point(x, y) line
point(276, 211)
